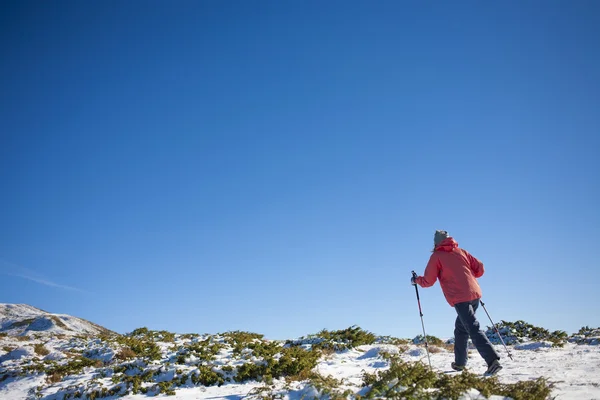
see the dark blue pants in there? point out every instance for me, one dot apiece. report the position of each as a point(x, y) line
point(467, 326)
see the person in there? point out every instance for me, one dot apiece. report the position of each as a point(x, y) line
point(457, 271)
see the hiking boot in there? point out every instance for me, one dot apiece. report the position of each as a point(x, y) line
point(493, 368)
point(457, 367)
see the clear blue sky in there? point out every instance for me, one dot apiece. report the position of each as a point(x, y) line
point(280, 167)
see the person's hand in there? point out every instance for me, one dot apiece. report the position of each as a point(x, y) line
point(413, 281)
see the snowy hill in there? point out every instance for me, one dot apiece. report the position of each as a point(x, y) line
point(23, 319)
point(345, 364)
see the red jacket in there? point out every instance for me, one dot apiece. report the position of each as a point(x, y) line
point(457, 271)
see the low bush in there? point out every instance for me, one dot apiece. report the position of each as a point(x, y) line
point(207, 376)
point(292, 361)
point(405, 380)
point(586, 335)
point(205, 350)
point(431, 340)
point(141, 347)
point(392, 340)
point(59, 371)
point(521, 331)
point(338, 340)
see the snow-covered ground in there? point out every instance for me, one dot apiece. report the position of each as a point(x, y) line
point(19, 319)
point(574, 369)
point(27, 359)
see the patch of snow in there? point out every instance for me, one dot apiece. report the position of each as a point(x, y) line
point(533, 346)
point(418, 352)
point(19, 319)
point(17, 354)
point(55, 356)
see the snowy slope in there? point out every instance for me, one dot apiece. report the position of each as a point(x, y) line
point(202, 367)
point(23, 319)
point(575, 370)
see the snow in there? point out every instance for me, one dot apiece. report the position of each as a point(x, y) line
point(23, 319)
point(573, 369)
point(55, 356)
point(16, 354)
point(533, 346)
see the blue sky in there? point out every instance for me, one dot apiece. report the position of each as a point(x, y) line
point(280, 167)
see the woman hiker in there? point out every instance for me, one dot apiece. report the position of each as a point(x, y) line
point(457, 271)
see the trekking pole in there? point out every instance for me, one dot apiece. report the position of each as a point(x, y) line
point(497, 331)
point(422, 323)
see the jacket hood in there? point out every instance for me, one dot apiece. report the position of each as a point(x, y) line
point(447, 245)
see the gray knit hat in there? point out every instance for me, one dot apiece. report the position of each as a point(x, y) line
point(439, 237)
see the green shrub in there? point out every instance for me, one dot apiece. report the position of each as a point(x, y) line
point(142, 348)
point(431, 340)
point(240, 339)
point(3, 335)
point(392, 340)
point(189, 336)
point(166, 388)
point(292, 362)
point(401, 380)
point(250, 372)
point(204, 349)
point(343, 339)
point(586, 331)
point(295, 361)
point(134, 381)
point(329, 387)
point(140, 332)
point(59, 371)
point(405, 380)
point(586, 335)
point(520, 331)
point(264, 349)
point(207, 377)
point(146, 334)
point(326, 386)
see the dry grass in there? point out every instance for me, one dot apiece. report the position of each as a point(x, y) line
point(402, 348)
point(327, 351)
point(54, 378)
point(125, 354)
point(435, 349)
point(449, 347)
point(40, 349)
point(23, 338)
point(59, 322)
point(20, 324)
